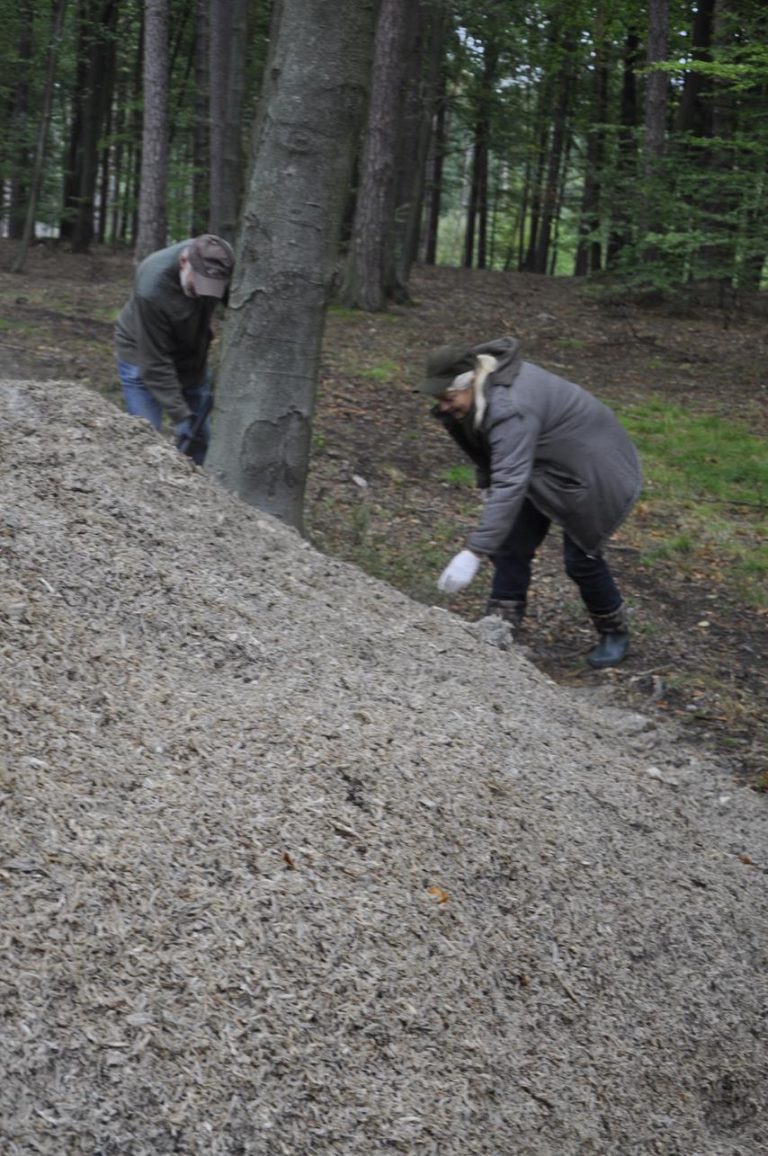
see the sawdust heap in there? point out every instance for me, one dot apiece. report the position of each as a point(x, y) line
point(291, 864)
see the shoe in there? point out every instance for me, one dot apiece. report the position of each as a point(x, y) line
point(610, 650)
point(613, 646)
point(509, 610)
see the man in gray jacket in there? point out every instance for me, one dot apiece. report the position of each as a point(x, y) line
point(163, 332)
point(545, 451)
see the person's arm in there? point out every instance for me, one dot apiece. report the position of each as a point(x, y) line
point(155, 345)
point(513, 443)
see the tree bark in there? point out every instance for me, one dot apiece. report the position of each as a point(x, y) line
point(201, 153)
point(622, 219)
point(424, 39)
point(152, 232)
point(95, 78)
point(589, 249)
point(436, 166)
point(310, 115)
point(20, 122)
point(477, 211)
point(656, 85)
point(365, 276)
point(550, 205)
point(228, 44)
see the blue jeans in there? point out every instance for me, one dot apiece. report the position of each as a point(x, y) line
point(141, 403)
point(512, 565)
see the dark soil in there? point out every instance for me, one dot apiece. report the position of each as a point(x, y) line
point(380, 491)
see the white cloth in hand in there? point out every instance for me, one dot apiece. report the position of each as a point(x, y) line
point(459, 572)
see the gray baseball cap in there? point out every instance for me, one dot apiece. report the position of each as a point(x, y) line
point(212, 262)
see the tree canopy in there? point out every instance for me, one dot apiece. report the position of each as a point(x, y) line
point(569, 138)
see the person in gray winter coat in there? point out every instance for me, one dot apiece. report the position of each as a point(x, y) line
point(163, 332)
point(545, 450)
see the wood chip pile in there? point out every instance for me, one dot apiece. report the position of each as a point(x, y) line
point(291, 864)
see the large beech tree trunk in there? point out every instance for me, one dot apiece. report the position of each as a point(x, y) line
point(310, 116)
point(228, 47)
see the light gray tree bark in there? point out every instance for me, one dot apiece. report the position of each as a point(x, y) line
point(310, 114)
point(228, 46)
point(152, 231)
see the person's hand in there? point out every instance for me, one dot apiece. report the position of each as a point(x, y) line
point(184, 429)
point(459, 572)
point(194, 445)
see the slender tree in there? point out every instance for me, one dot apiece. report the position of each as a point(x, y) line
point(424, 39)
point(154, 161)
point(97, 21)
point(20, 114)
point(310, 115)
point(201, 152)
point(365, 275)
point(656, 89)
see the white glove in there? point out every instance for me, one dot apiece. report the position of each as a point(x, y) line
point(459, 572)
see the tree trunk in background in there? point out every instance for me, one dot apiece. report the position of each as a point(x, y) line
point(477, 211)
point(152, 233)
point(58, 11)
point(201, 153)
point(723, 201)
point(21, 129)
point(550, 206)
point(439, 144)
point(95, 76)
point(228, 46)
point(535, 183)
point(625, 182)
point(694, 114)
point(424, 39)
point(310, 116)
point(656, 88)
point(365, 275)
point(588, 252)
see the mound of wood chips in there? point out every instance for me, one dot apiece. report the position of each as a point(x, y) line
point(291, 864)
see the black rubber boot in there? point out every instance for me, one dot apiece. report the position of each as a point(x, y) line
point(508, 609)
point(613, 646)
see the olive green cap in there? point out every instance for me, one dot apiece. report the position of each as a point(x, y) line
point(444, 365)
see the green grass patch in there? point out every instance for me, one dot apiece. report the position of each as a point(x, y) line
point(707, 479)
point(692, 456)
point(387, 371)
point(459, 475)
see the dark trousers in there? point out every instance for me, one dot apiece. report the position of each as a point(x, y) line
point(512, 565)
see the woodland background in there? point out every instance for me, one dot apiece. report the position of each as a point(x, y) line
point(569, 138)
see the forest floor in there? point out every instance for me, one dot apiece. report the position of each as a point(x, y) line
point(386, 490)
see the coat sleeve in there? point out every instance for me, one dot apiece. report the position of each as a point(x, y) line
point(155, 346)
point(513, 442)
